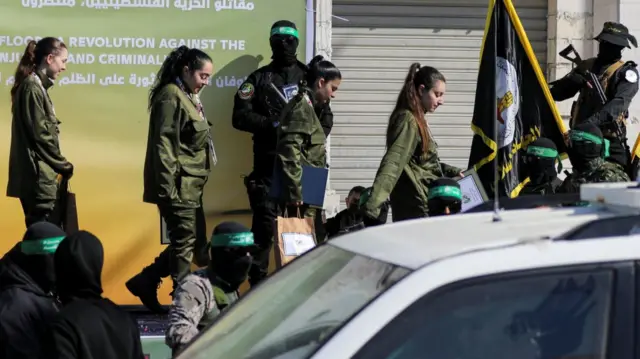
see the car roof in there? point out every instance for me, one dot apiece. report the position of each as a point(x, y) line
point(415, 243)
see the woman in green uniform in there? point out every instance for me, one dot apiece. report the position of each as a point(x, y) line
point(179, 154)
point(411, 161)
point(35, 159)
point(301, 138)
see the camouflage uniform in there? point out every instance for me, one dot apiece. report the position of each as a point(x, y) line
point(598, 170)
point(301, 143)
point(196, 302)
point(405, 172)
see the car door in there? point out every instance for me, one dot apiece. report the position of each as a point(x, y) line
point(584, 311)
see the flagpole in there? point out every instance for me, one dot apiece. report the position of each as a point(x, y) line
point(496, 192)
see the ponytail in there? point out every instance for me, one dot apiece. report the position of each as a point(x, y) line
point(172, 67)
point(319, 68)
point(34, 54)
point(408, 99)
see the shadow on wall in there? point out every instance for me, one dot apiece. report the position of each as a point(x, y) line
point(225, 189)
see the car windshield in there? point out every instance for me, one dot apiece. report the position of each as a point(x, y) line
point(298, 308)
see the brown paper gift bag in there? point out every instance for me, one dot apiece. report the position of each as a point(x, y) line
point(294, 236)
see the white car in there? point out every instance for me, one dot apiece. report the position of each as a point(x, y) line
point(540, 283)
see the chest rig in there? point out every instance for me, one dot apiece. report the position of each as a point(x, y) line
point(588, 95)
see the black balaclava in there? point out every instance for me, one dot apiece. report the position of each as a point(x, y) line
point(78, 262)
point(444, 193)
point(34, 255)
point(608, 52)
point(230, 244)
point(585, 145)
point(284, 42)
point(540, 161)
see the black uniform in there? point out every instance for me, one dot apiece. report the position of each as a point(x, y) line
point(257, 109)
point(620, 84)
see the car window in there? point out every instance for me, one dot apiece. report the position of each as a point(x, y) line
point(605, 227)
point(529, 317)
point(296, 310)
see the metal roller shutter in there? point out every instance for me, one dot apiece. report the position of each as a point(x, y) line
point(374, 50)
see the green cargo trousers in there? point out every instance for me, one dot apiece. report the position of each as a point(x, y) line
point(186, 229)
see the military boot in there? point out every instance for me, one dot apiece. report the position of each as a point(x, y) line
point(145, 284)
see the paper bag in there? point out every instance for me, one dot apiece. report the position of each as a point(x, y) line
point(294, 236)
point(65, 211)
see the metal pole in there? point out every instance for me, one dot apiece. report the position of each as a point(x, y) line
point(496, 192)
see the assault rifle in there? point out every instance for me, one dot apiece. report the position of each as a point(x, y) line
point(593, 83)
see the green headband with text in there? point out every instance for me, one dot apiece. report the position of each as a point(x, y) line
point(284, 30)
point(445, 191)
point(542, 152)
point(244, 239)
point(40, 246)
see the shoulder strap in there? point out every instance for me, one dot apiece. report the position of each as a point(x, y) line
point(609, 73)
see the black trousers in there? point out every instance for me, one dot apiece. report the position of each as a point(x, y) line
point(617, 152)
point(262, 225)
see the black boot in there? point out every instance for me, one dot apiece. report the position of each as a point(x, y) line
point(145, 284)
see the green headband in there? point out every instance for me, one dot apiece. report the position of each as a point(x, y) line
point(542, 152)
point(283, 30)
point(244, 239)
point(41, 246)
point(445, 191)
point(586, 137)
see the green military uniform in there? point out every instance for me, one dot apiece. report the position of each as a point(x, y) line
point(176, 169)
point(301, 142)
point(405, 172)
point(35, 159)
point(202, 295)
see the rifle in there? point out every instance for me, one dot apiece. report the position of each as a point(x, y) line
point(592, 82)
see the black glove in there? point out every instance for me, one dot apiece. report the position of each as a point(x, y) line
point(371, 222)
point(67, 171)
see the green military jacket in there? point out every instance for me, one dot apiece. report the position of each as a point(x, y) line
point(177, 162)
point(596, 171)
point(405, 172)
point(35, 159)
point(301, 142)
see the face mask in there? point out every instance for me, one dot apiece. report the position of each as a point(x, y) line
point(284, 49)
point(608, 52)
point(540, 170)
point(231, 268)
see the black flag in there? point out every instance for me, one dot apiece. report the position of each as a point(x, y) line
point(511, 93)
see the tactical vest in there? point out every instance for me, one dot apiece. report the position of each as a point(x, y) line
point(222, 300)
point(604, 82)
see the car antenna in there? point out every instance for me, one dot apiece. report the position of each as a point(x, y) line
point(496, 192)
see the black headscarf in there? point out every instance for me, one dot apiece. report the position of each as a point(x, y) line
point(540, 161)
point(230, 244)
point(34, 254)
point(284, 43)
point(78, 262)
point(586, 144)
point(444, 193)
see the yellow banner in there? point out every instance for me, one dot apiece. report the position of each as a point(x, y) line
point(115, 46)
